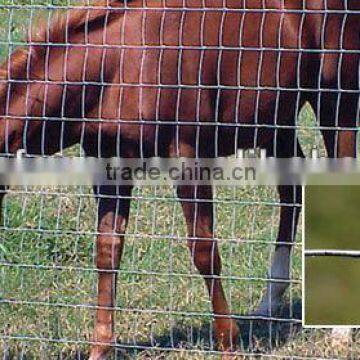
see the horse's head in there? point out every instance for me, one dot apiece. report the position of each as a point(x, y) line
point(3, 90)
point(26, 96)
point(3, 96)
point(2, 106)
point(13, 72)
point(4, 86)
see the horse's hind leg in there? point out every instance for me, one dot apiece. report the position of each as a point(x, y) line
point(198, 211)
point(290, 199)
point(113, 213)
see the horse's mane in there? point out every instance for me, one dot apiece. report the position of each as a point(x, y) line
point(62, 25)
point(74, 20)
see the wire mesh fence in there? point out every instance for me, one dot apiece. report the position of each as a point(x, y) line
point(135, 78)
point(221, 94)
point(162, 302)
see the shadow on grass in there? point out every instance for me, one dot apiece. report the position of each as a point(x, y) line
point(257, 336)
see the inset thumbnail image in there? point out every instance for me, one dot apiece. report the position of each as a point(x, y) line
point(332, 256)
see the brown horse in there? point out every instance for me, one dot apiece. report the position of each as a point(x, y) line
point(184, 78)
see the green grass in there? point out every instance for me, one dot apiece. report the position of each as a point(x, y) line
point(38, 301)
point(156, 246)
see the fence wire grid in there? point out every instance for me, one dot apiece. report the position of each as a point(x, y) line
point(150, 76)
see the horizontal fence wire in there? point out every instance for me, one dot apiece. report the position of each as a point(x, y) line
point(333, 253)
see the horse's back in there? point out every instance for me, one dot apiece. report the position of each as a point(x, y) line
point(214, 66)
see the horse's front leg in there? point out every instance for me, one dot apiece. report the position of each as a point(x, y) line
point(286, 146)
point(198, 211)
point(113, 213)
point(291, 198)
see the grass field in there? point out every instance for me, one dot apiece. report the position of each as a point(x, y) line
point(48, 282)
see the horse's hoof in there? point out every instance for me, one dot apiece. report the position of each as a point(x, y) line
point(104, 341)
point(229, 356)
point(340, 338)
point(99, 354)
point(227, 334)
